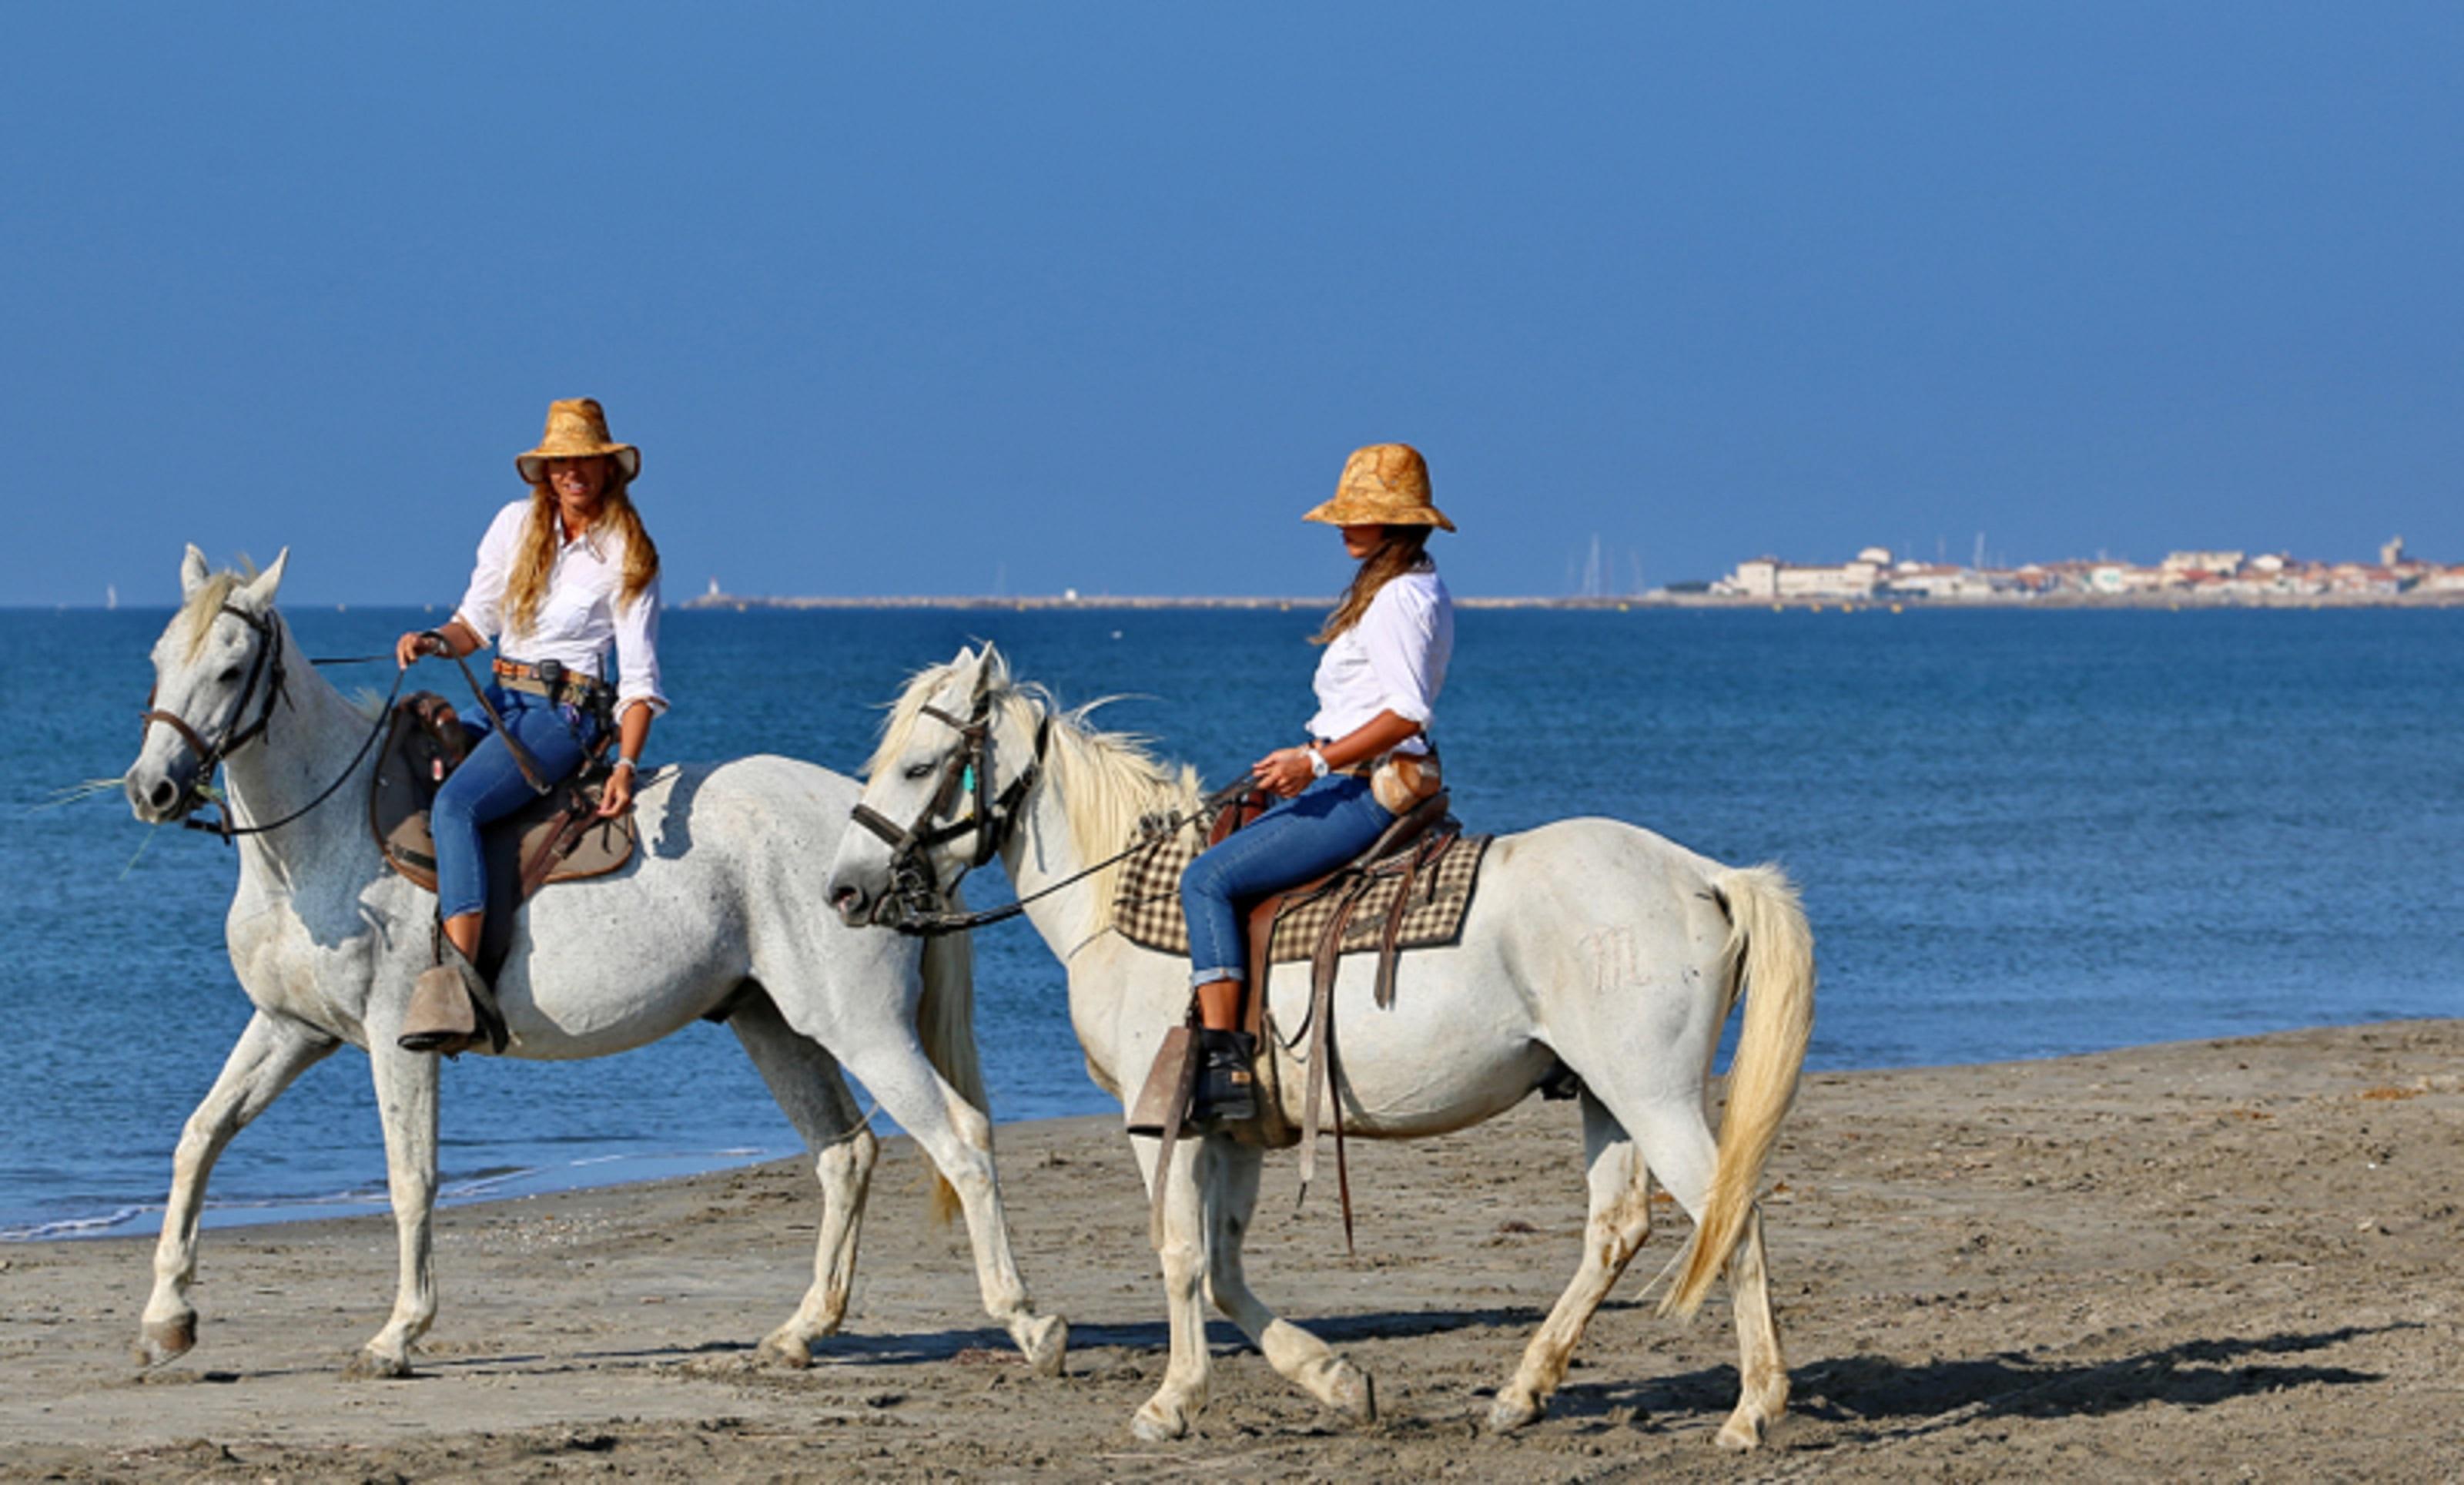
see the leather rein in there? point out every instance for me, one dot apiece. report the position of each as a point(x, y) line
point(266, 668)
point(969, 770)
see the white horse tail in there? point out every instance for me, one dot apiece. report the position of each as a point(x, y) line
point(1770, 960)
point(945, 1018)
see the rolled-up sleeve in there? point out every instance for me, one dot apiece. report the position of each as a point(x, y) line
point(1399, 636)
point(637, 651)
point(482, 609)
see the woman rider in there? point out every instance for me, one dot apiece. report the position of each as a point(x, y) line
point(1386, 644)
point(563, 576)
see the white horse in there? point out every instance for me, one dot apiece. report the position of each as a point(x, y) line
point(1588, 943)
point(722, 905)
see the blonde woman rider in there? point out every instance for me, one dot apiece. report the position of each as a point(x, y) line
point(1386, 644)
point(564, 575)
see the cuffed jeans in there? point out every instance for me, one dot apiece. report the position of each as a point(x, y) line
point(1308, 835)
point(489, 786)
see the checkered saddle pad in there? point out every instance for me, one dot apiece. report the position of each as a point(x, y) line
point(1146, 908)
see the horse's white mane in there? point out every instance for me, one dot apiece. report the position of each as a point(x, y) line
point(1107, 781)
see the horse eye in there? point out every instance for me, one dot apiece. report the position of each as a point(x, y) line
point(230, 675)
point(919, 770)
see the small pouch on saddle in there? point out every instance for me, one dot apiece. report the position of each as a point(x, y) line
point(1402, 781)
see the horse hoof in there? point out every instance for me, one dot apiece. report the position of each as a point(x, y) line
point(784, 1348)
point(1353, 1395)
point(374, 1366)
point(1512, 1411)
point(1047, 1345)
point(1740, 1433)
point(159, 1341)
point(1155, 1426)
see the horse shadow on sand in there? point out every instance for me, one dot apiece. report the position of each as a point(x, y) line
point(1881, 1397)
point(1871, 1398)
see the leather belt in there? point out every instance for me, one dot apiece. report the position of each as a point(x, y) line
point(552, 680)
point(1367, 766)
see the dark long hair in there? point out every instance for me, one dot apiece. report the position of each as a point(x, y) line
point(1404, 548)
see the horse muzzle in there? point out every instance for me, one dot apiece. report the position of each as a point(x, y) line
point(160, 796)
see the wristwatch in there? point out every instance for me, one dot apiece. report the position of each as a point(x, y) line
point(1318, 766)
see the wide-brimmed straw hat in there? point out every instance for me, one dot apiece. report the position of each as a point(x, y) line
point(576, 427)
point(1386, 484)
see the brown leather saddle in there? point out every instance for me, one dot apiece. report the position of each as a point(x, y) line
point(557, 837)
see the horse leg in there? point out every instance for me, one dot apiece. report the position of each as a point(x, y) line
point(1182, 1394)
point(1618, 1227)
point(1678, 1145)
point(406, 1084)
point(1300, 1357)
point(805, 1081)
point(958, 1139)
point(268, 1056)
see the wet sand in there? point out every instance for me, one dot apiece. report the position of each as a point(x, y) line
point(2215, 1260)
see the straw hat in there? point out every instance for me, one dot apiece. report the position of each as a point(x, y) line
point(1386, 484)
point(576, 429)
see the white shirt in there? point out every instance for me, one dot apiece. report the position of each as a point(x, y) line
point(578, 616)
point(1393, 660)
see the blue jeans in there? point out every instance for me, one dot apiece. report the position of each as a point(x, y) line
point(1308, 835)
point(489, 786)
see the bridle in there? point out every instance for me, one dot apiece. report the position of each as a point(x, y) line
point(267, 667)
point(913, 890)
point(967, 773)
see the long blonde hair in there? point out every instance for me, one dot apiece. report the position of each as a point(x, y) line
point(528, 584)
point(1404, 548)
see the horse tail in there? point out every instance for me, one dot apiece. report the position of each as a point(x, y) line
point(945, 1018)
point(1770, 958)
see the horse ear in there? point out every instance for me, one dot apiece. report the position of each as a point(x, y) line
point(259, 592)
point(192, 572)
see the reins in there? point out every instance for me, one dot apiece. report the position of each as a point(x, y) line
point(970, 770)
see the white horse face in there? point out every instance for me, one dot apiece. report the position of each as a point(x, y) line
point(203, 669)
point(915, 791)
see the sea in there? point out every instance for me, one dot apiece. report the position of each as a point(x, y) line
point(2019, 833)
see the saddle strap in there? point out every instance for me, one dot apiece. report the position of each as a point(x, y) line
point(1321, 1064)
point(1421, 857)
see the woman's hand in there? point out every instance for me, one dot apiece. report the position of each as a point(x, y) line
point(1285, 772)
point(616, 795)
point(412, 646)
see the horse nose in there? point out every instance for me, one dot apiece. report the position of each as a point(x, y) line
point(163, 796)
point(849, 902)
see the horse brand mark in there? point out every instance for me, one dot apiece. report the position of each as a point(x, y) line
point(1615, 960)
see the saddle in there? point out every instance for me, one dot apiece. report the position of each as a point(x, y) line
point(557, 837)
point(1412, 887)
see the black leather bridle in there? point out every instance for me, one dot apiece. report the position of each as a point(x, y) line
point(266, 668)
point(967, 773)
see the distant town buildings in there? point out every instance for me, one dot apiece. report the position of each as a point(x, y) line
point(1875, 573)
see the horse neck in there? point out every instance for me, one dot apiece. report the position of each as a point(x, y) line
point(1046, 849)
point(307, 742)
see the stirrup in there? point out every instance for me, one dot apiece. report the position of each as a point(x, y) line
point(452, 1008)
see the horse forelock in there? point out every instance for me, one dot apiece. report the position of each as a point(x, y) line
point(200, 608)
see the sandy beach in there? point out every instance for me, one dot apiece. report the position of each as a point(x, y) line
point(2216, 1260)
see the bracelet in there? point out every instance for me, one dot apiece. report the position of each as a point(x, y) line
point(622, 762)
point(1319, 768)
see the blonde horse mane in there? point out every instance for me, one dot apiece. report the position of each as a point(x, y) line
point(1107, 781)
point(198, 609)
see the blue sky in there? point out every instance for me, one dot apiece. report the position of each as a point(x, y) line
point(945, 297)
